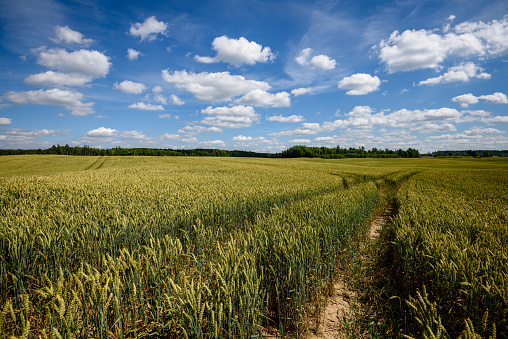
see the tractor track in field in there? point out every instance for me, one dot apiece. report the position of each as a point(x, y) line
point(343, 305)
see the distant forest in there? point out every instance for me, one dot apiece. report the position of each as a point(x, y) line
point(470, 153)
point(292, 152)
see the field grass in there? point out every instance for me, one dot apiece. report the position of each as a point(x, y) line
point(124, 247)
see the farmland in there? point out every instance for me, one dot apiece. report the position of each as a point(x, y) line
point(97, 247)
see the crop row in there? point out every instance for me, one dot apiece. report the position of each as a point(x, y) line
point(174, 248)
point(451, 246)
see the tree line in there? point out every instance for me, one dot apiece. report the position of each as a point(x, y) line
point(351, 152)
point(469, 153)
point(292, 152)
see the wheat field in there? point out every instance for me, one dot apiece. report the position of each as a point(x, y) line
point(131, 247)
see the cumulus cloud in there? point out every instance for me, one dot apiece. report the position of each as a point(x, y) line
point(21, 138)
point(168, 136)
point(148, 29)
point(419, 49)
point(132, 135)
point(321, 61)
point(360, 84)
point(195, 130)
point(463, 73)
point(130, 87)
point(69, 36)
point(238, 52)
point(51, 78)
point(212, 144)
point(301, 91)
point(54, 97)
point(146, 107)
point(5, 121)
point(247, 138)
point(101, 132)
point(493, 33)
point(213, 87)
point(230, 117)
point(132, 54)
point(496, 120)
point(431, 128)
point(364, 117)
point(469, 99)
point(176, 100)
point(496, 98)
point(91, 63)
point(299, 141)
point(259, 97)
point(291, 118)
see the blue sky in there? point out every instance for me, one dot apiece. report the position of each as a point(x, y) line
point(254, 75)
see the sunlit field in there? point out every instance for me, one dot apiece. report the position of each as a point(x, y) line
point(192, 247)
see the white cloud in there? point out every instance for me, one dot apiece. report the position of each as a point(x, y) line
point(364, 118)
point(303, 57)
point(67, 35)
point(237, 52)
point(133, 135)
point(417, 49)
point(195, 130)
point(213, 87)
point(301, 91)
point(101, 132)
point(130, 87)
point(53, 97)
point(469, 99)
point(164, 116)
point(20, 138)
point(259, 97)
point(463, 73)
point(426, 49)
point(146, 107)
point(496, 98)
point(132, 54)
point(494, 34)
point(230, 117)
point(466, 99)
point(189, 140)
point(159, 98)
point(291, 118)
point(246, 138)
point(176, 100)
point(148, 29)
point(168, 136)
point(157, 89)
point(51, 78)
point(299, 141)
point(360, 84)
point(212, 144)
point(321, 61)
point(431, 128)
point(5, 121)
point(91, 63)
point(496, 120)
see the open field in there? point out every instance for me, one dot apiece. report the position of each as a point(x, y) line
point(241, 247)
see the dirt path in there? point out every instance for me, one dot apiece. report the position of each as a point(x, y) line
point(339, 312)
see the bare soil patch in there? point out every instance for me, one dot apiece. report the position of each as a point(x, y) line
point(343, 304)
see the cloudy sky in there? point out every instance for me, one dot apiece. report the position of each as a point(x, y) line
point(254, 75)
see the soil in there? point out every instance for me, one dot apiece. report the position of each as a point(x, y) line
point(341, 305)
